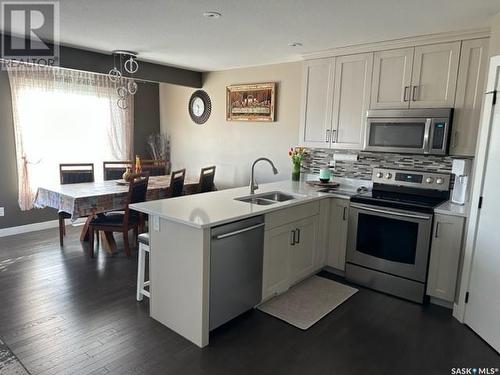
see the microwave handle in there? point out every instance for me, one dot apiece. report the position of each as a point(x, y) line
point(427, 133)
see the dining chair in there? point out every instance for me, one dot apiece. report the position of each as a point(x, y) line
point(125, 220)
point(154, 167)
point(72, 173)
point(206, 182)
point(114, 170)
point(177, 183)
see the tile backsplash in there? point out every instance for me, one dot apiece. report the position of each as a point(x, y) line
point(363, 167)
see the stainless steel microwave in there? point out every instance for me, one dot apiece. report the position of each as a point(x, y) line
point(410, 131)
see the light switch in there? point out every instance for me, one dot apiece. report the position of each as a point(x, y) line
point(156, 223)
point(2, 211)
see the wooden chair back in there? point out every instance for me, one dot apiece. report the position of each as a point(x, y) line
point(75, 173)
point(114, 170)
point(177, 183)
point(137, 191)
point(206, 182)
point(154, 167)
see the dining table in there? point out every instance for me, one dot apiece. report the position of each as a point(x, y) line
point(86, 200)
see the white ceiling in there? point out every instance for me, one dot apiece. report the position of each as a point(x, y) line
point(256, 32)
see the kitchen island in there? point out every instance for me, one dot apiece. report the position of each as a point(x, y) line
point(180, 237)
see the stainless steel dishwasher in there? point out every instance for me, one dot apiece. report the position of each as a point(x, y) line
point(236, 257)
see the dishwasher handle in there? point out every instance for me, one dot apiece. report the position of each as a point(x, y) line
point(239, 231)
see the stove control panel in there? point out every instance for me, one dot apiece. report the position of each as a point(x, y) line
point(415, 179)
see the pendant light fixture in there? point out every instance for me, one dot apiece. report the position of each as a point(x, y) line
point(123, 73)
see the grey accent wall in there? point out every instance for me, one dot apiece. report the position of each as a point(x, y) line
point(146, 119)
point(146, 116)
point(75, 58)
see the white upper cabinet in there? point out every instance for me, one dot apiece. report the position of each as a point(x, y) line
point(434, 77)
point(338, 91)
point(316, 116)
point(469, 98)
point(391, 78)
point(351, 99)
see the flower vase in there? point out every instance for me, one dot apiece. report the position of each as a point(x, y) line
point(296, 171)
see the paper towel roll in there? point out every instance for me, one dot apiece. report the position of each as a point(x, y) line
point(345, 157)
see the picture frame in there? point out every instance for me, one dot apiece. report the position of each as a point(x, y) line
point(251, 102)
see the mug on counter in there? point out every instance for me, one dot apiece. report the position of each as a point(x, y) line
point(325, 174)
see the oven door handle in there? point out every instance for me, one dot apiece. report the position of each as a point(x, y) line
point(411, 216)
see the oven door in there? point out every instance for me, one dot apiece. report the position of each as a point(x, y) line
point(388, 240)
point(402, 135)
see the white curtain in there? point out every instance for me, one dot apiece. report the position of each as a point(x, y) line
point(64, 116)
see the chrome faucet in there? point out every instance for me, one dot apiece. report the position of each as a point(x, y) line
point(253, 184)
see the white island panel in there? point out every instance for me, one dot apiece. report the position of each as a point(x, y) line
point(179, 271)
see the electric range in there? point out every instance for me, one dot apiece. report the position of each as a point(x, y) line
point(389, 232)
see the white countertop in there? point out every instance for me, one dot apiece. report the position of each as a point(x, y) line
point(453, 209)
point(219, 207)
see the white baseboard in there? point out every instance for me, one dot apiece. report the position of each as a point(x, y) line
point(12, 231)
point(442, 303)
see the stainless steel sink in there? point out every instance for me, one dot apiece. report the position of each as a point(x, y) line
point(265, 199)
point(253, 200)
point(277, 196)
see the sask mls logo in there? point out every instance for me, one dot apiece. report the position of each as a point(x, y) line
point(474, 371)
point(25, 26)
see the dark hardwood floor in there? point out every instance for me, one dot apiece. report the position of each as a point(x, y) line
point(63, 313)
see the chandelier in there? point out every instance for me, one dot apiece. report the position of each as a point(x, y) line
point(124, 62)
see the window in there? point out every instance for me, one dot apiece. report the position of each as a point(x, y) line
point(64, 116)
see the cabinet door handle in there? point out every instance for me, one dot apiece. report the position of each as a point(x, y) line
point(297, 232)
point(334, 135)
point(327, 139)
point(292, 241)
point(405, 93)
point(436, 235)
point(344, 214)
point(414, 93)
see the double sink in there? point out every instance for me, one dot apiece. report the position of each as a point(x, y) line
point(265, 199)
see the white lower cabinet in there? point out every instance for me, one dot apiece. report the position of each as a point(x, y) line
point(445, 256)
point(289, 254)
point(337, 245)
point(303, 248)
point(276, 270)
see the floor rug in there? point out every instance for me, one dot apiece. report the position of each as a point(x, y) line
point(9, 364)
point(308, 302)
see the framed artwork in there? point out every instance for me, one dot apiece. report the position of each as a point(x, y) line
point(251, 102)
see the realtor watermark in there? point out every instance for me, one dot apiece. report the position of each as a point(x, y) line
point(30, 32)
point(475, 371)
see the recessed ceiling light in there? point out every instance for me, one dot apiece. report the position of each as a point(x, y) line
point(212, 14)
point(294, 44)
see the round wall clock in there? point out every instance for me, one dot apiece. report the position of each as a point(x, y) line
point(200, 107)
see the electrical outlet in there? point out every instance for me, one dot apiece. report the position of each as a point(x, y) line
point(156, 223)
point(2, 211)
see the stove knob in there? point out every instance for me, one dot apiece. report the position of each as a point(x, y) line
point(380, 175)
point(429, 180)
point(439, 181)
point(388, 175)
